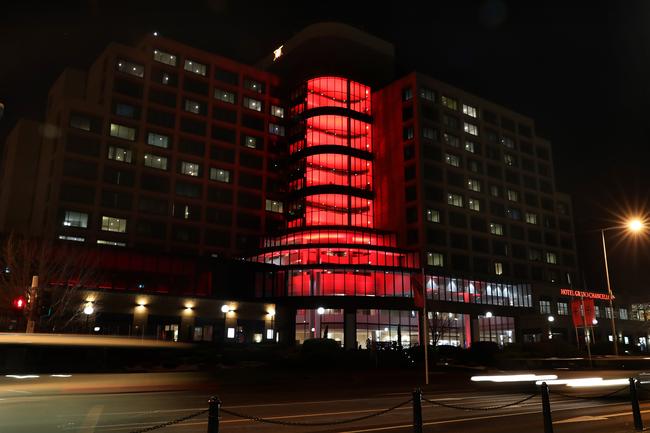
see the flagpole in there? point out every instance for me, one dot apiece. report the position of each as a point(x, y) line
point(425, 328)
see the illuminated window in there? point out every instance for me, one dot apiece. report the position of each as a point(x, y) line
point(72, 238)
point(158, 140)
point(451, 140)
point(498, 268)
point(551, 258)
point(274, 206)
point(220, 175)
point(495, 191)
point(470, 146)
point(448, 102)
point(433, 216)
point(427, 94)
point(562, 309)
point(75, 219)
point(622, 313)
point(119, 154)
point(608, 315)
point(253, 85)
point(474, 185)
point(123, 132)
point(276, 129)
point(597, 311)
point(509, 159)
point(474, 204)
point(508, 142)
point(452, 160)
point(407, 133)
point(545, 307)
point(277, 111)
point(80, 122)
point(164, 78)
point(163, 57)
point(111, 243)
point(130, 68)
point(435, 259)
point(252, 104)
point(112, 224)
point(189, 168)
point(193, 106)
point(531, 218)
point(512, 195)
point(455, 200)
point(469, 110)
point(513, 214)
point(250, 141)
point(470, 128)
point(225, 96)
point(195, 67)
point(155, 161)
point(496, 229)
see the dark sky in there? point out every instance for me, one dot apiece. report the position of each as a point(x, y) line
point(581, 71)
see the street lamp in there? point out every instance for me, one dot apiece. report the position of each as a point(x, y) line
point(632, 225)
point(320, 311)
point(88, 310)
point(551, 319)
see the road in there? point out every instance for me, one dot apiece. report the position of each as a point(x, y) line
point(128, 412)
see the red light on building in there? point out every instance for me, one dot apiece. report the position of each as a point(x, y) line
point(19, 303)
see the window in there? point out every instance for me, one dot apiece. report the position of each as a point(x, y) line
point(470, 146)
point(551, 258)
point(407, 94)
point(474, 185)
point(80, 122)
point(455, 200)
point(433, 216)
point(498, 268)
point(75, 219)
point(72, 238)
point(435, 259)
point(451, 140)
point(253, 85)
point(427, 94)
point(469, 110)
point(407, 133)
point(130, 68)
point(276, 129)
point(474, 166)
point(111, 243)
point(448, 102)
point(120, 154)
point(252, 104)
point(509, 159)
point(531, 218)
point(155, 161)
point(193, 106)
point(452, 160)
point(163, 57)
point(195, 67)
point(274, 206)
point(125, 110)
point(495, 191)
point(250, 141)
point(123, 132)
point(474, 204)
point(189, 168)
point(111, 224)
point(158, 140)
point(277, 111)
point(470, 128)
point(622, 313)
point(608, 314)
point(496, 229)
point(508, 142)
point(562, 309)
point(512, 195)
point(545, 307)
point(224, 96)
point(429, 133)
point(220, 175)
point(534, 255)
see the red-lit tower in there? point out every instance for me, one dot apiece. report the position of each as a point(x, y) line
point(331, 251)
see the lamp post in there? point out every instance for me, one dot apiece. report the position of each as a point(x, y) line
point(320, 312)
point(88, 310)
point(634, 225)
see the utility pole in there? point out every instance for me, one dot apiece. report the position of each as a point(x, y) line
point(31, 314)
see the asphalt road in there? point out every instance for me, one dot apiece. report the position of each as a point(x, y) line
point(128, 412)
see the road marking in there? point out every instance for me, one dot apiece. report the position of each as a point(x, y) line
point(90, 422)
point(584, 418)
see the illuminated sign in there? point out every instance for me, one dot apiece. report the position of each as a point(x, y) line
point(277, 53)
point(582, 294)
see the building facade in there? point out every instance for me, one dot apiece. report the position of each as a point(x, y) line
point(314, 186)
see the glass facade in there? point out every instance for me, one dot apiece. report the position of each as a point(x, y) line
point(478, 292)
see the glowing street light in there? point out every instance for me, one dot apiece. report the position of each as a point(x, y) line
point(551, 319)
point(89, 309)
point(635, 225)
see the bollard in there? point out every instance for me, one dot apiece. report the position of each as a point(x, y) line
point(546, 409)
point(636, 411)
point(417, 410)
point(214, 404)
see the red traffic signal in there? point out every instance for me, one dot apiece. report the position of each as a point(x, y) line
point(19, 303)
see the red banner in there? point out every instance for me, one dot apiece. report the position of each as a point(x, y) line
point(589, 312)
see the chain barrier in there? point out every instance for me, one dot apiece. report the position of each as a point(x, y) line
point(452, 406)
point(313, 424)
point(172, 422)
point(594, 397)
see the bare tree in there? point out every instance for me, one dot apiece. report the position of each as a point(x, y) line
point(63, 270)
point(440, 325)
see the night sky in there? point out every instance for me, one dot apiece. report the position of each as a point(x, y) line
point(582, 72)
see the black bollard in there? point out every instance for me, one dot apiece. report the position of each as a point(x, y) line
point(417, 410)
point(636, 411)
point(214, 404)
point(546, 409)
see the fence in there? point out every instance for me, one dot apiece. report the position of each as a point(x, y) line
point(215, 410)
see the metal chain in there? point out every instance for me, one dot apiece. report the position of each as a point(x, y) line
point(595, 397)
point(172, 422)
point(451, 406)
point(313, 424)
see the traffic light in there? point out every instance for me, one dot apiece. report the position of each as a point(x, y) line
point(19, 303)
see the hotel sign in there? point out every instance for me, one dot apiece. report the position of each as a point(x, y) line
point(583, 294)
